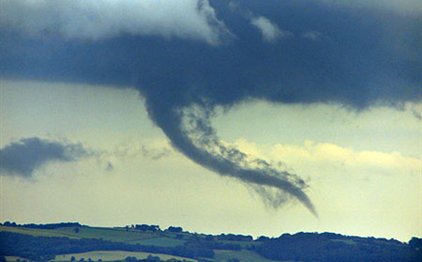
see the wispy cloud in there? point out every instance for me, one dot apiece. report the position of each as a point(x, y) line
point(416, 110)
point(328, 156)
point(269, 30)
point(25, 156)
point(314, 36)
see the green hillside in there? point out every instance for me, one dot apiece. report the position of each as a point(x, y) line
point(130, 236)
point(114, 256)
point(75, 242)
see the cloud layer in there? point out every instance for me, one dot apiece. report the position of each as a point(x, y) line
point(25, 156)
point(94, 20)
point(405, 7)
point(364, 58)
point(328, 156)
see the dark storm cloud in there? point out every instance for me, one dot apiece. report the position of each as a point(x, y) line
point(96, 20)
point(369, 56)
point(25, 156)
point(355, 56)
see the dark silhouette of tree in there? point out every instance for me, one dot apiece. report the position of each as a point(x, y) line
point(9, 224)
point(416, 243)
point(175, 229)
point(143, 227)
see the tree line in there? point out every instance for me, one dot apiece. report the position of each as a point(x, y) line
point(46, 248)
point(329, 247)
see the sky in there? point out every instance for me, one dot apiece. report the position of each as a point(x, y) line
point(248, 117)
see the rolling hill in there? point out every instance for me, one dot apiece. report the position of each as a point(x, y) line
point(76, 242)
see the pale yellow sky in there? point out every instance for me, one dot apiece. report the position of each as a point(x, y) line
point(364, 169)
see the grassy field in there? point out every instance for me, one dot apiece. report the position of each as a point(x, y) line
point(112, 234)
point(38, 232)
point(12, 258)
point(159, 241)
point(131, 236)
point(113, 256)
point(243, 256)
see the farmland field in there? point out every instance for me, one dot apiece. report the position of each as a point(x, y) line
point(113, 256)
point(38, 232)
point(61, 242)
point(243, 255)
point(112, 234)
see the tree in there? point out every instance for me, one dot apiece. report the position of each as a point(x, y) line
point(175, 229)
point(151, 258)
point(416, 243)
point(9, 224)
point(263, 238)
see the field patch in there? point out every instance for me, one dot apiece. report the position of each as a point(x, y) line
point(111, 234)
point(38, 232)
point(114, 255)
point(243, 256)
point(159, 241)
point(13, 258)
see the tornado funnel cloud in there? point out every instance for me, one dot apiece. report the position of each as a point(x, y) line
point(190, 132)
point(188, 61)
